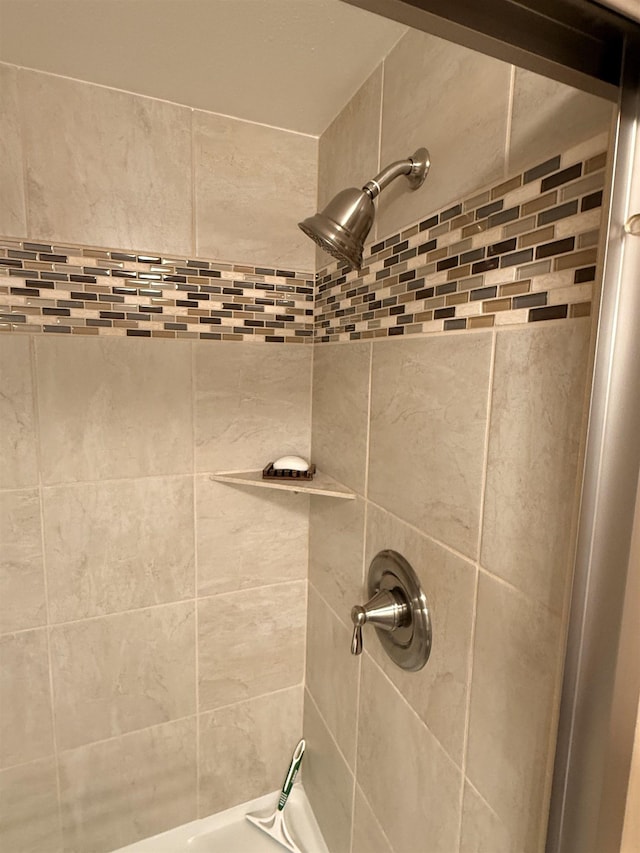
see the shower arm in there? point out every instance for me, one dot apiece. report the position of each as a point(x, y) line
point(414, 168)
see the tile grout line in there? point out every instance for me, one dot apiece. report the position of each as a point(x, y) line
point(459, 554)
point(45, 575)
point(379, 152)
point(474, 614)
point(479, 569)
point(196, 555)
point(363, 583)
point(133, 732)
point(23, 152)
point(194, 185)
point(509, 123)
point(375, 817)
point(414, 713)
point(177, 104)
point(329, 731)
point(147, 607)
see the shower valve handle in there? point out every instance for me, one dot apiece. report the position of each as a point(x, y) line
point(388, 609)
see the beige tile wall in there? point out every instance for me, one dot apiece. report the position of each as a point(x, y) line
point(481, 120)
point(13, 221)
point(145, 609)
point(137, 583)
point(460, 752)
point(82, 163)
point(463, 452)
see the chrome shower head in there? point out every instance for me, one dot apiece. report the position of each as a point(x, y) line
point(342, 227)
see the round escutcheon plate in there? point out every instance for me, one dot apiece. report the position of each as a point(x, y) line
point(408, 646)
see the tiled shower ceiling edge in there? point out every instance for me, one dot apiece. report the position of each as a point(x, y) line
point(522, 251)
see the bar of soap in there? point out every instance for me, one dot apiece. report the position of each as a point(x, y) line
point(291, 463)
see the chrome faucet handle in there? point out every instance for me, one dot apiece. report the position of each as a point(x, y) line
point(387, 609)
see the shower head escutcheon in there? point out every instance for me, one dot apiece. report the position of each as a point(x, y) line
point(342, 227)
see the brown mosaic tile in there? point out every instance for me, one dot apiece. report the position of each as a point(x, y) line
point(457, 298)
point(584, 186)
point(515, 288)
point(590, 238)
point(452, 270)
point(506, 187)
point(540, 203)
point(424, 316)
point(471, 283)
point(580, 309)
point(576, 259)
point(530, 270)
point(437, 254)
point(593, 164)
point(477, 200)
point(533, 238)
point(483, 322)
point(132, 300)
point(475, 228)
point(459, 272)
point(464, 219)
point(460, 246)
point(496, 305)
point(439, 230)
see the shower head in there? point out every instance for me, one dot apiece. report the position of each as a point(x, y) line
point(342, 227)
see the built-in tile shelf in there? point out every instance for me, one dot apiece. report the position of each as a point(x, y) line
point(321, 484)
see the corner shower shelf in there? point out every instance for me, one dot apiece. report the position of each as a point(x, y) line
point(321, 484)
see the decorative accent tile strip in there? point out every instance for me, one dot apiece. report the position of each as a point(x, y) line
point(524, 250)
point(71, 289)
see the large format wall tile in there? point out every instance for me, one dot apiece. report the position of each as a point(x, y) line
point(26, 730)
point(368, 836)
point(13, 220)
point(348, 149)
point(249, 537)
point(332, 673)
point(29, 819)
point(103, 560)
point(512, 707)
point(336, 531)
point(105, 167)
point(482, 829)
point(536, 420)
point(113, 407)
point(548, 117)
point(341, 411)
point(22, 601)
point(253, 185)
point(125, 789)
point(456, 105)
point(115, 674)
point(428, 420)
point(17, 422)
point(328, 781)
point(250, 642)
point(411, 784)
point(438, 692)
point(245, 748)
point(252, 404)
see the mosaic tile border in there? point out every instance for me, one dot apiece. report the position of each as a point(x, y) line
point(522, 251)
point(74, 289)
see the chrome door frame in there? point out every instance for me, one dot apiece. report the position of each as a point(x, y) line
point(602, 678)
